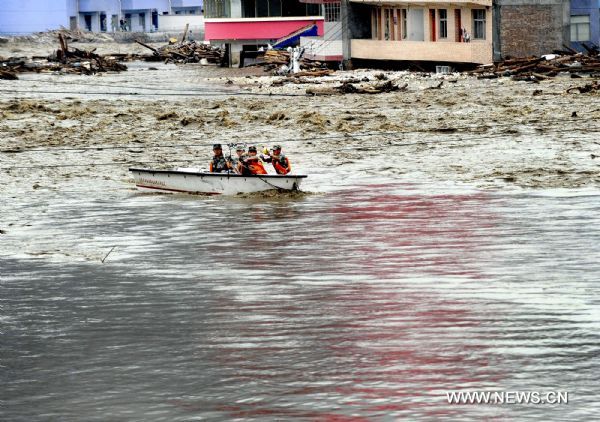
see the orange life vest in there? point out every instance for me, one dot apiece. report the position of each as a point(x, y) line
point(255, 166)
point(282, 165)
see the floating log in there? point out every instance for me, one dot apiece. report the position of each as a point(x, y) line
point(349, 88)
point(594, 86)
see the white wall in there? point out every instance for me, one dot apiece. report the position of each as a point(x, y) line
point(176, 23)
point(26, 16)
point(135, 21)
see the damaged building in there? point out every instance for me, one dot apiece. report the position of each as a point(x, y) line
point(245, 26)
point(457, 33)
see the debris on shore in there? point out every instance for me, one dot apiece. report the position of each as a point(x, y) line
point(548, 66)
point(64, 60)
point(183, 52)
point(274, 60)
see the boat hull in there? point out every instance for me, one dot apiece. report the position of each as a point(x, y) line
point(204, 183)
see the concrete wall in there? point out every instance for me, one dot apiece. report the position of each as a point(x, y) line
point(531, 27)
point(333, 31)
point(138, 25)
point(107, 6)
point(186, 3)
point(591, 8)
point(160, 5)
point(26, 16)
point(176, 23)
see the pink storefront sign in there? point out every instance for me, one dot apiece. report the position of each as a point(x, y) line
point(257, 29)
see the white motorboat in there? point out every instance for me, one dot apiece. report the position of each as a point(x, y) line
point(194, 181)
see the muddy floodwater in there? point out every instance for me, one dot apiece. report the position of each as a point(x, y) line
point(447, 239)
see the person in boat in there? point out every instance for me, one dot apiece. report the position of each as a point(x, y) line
point(253, 162)
point(239, 162)
point(219, 163)
point(280, 162)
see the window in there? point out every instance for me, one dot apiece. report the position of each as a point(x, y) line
point(580, 28)
point(142, 17)
point(443, 13)
point(404, 24)
point(375, 23)
point(265, 8)
point(332, 12)
point(479, 24)
point(217, 9)
point(386, 24)
point(103, 24)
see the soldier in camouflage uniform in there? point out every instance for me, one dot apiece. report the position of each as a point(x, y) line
point(219, 163)
point(239, 162)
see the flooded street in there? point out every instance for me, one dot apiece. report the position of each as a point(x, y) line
point(446, 240)
point(365, 302)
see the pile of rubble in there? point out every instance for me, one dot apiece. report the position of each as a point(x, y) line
point(538, 68)
point(64, 60)
point(273, 60)
point(183, 52)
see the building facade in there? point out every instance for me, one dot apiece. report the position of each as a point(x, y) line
point(458, 31)
point(584, 23)
point(454, 31)
point(22, 17)
point(329, 46)
point(530, 27)
point(247, 25)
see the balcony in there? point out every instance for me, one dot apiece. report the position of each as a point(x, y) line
point(425, 3)
point(479, 52)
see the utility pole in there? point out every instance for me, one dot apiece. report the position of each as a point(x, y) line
point(346, 34)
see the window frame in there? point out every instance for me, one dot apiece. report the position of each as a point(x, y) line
point(577, 26)
point(479, 24)
point(443, 24)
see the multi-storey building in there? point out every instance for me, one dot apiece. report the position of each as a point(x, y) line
point(329, 46)
point(453, 31)
point(17, 16)
point(417, 30)
point(246, 25)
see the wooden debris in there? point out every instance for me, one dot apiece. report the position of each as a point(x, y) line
point(349, 88)
point(66, 60)
point(594, 86)
point(539, 68)
point(184, 52)
point(275, 59)
point(10, 76)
